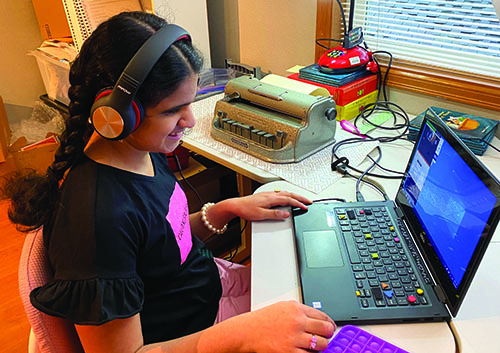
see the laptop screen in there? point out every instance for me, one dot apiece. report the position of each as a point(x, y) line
point(451, 202)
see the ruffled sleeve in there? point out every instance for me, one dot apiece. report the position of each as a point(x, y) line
point(90, 301)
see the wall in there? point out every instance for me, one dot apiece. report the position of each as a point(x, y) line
point(277, 35)
point(224, 31)
point(21, 83)
point(192, 16)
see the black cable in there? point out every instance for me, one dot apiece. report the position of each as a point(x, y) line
point(231, 255)
point(389, 65)
point(382, 81)
point(330, 199)
point(336, 168)
point(390, 107)
point(373, 185)
point(364, 115)
point(329, 39)
point(379, 81)
point(177, 163)
point(359, 196)
point(495, 148)
point(341, 8)
point(343, 170)
point(386, 169)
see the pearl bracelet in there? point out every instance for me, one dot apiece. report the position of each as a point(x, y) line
point(207, 222)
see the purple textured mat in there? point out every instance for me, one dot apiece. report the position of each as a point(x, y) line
point(351, 339)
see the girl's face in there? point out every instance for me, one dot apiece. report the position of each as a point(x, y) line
point(163, 125)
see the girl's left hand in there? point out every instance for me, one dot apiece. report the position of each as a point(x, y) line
point(261, 205)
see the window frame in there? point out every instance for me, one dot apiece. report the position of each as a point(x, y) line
point(481, 91)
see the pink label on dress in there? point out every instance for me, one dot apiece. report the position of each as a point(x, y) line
point(178, 216)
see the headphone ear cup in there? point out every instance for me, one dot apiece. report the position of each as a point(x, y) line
point(112, 120)
point(139, 113)
point(98, 98)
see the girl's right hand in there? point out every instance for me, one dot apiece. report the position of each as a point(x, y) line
point(288, 327)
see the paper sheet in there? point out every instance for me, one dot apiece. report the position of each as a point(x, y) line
point(295, 69)
point(313, 173)
point(99, 11)
point(295, 85)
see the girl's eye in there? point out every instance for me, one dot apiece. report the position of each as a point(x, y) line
point(172, 112)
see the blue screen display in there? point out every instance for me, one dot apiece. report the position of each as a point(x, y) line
point(450, 201)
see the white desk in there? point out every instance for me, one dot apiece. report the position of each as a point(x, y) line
point(478, 321)
point(275, 276)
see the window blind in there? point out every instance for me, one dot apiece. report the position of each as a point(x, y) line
point(460, 35)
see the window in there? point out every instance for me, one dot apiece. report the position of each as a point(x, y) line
point(452, 34)
point(444, 48)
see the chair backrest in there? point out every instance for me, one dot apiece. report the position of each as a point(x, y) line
point(53, 334)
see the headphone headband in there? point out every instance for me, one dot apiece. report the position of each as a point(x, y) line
point(146, 57)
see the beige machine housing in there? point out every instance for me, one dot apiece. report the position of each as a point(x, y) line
point(273, 123)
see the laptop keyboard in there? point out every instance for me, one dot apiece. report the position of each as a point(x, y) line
point(383, 273)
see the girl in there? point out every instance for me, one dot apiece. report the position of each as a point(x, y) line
point(127, 270)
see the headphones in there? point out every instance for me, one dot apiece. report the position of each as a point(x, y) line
point(116, 113)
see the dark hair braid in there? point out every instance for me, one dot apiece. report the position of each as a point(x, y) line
point(100, 62)
point(33, 196)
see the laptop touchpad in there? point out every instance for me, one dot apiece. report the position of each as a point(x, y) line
point(322, 249)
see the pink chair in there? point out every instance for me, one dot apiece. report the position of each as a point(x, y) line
point(48, 334)
point(235, 280)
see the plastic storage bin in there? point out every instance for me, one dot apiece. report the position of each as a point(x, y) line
point(214, 80)
point(55, 76)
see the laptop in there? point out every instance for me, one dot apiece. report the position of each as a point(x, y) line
point(407, 260)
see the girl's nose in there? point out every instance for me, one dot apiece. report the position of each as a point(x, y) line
point(187, 120)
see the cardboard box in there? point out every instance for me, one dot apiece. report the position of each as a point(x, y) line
point(348, 93)
point(5, 133)
point(18, 156)
point(38, 158)
point(51, 19)
point(8, 166)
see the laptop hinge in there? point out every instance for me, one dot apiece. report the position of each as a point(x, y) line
point(439, 293)
point(399, 213)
